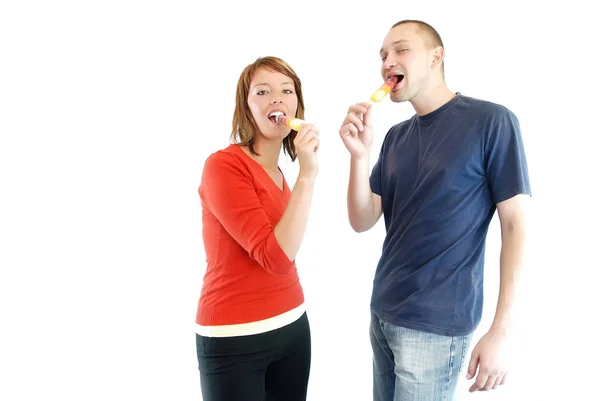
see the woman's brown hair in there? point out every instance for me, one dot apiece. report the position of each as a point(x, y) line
point(244, 128)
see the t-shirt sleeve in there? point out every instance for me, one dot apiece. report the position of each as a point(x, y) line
point(375, 178)
point(506, 166)
point(227, 190)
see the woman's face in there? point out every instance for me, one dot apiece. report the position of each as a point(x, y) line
point(271, 93)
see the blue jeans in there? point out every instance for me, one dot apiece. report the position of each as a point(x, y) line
point(411, 365)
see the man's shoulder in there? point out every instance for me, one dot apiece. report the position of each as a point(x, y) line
point(484, 107)
point(399, 129)
point(403, 125)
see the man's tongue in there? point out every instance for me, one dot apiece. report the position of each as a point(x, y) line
point(395, 80)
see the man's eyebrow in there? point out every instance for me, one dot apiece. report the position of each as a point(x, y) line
point(395, 43)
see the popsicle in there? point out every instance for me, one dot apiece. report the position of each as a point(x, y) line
point(383, 91)
point(293, 123)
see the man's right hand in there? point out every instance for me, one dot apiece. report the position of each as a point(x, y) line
point(357, 131)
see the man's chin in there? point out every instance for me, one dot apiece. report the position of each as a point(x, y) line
point(399, 99)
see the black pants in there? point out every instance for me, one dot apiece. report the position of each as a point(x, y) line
point(272, 366)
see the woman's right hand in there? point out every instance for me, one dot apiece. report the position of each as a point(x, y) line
point(307, 145)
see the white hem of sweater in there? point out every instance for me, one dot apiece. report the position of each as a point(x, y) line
point(246, 329)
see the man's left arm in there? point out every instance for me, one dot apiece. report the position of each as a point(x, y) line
point(490, 352)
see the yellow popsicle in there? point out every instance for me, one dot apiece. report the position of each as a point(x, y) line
point(293, 123)
point(383, 91)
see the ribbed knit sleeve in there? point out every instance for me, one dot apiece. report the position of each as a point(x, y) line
point(227, 190)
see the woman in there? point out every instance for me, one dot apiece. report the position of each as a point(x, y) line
point(253, 335)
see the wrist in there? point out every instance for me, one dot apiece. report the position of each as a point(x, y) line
point(364, 158)
point(501, 328)
point(307, 177)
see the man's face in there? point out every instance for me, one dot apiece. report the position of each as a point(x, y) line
point(405, 55)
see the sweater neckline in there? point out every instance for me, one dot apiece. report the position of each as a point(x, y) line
point(257, 164)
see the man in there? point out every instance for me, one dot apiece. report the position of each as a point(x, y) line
point(439, 179)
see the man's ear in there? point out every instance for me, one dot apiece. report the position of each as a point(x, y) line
point(438, 56)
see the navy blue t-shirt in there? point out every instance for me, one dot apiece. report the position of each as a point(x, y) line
point(440, 177)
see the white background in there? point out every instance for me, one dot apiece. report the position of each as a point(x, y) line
point(108, 110)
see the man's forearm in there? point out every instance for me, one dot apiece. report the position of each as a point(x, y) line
point(361, 211)
point(511, 265)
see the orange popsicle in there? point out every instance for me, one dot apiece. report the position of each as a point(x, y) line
point(383, 91)
point(293, 123)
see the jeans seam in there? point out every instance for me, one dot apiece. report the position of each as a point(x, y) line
point(451, 361)
point(383, 333)
point(464, 350)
